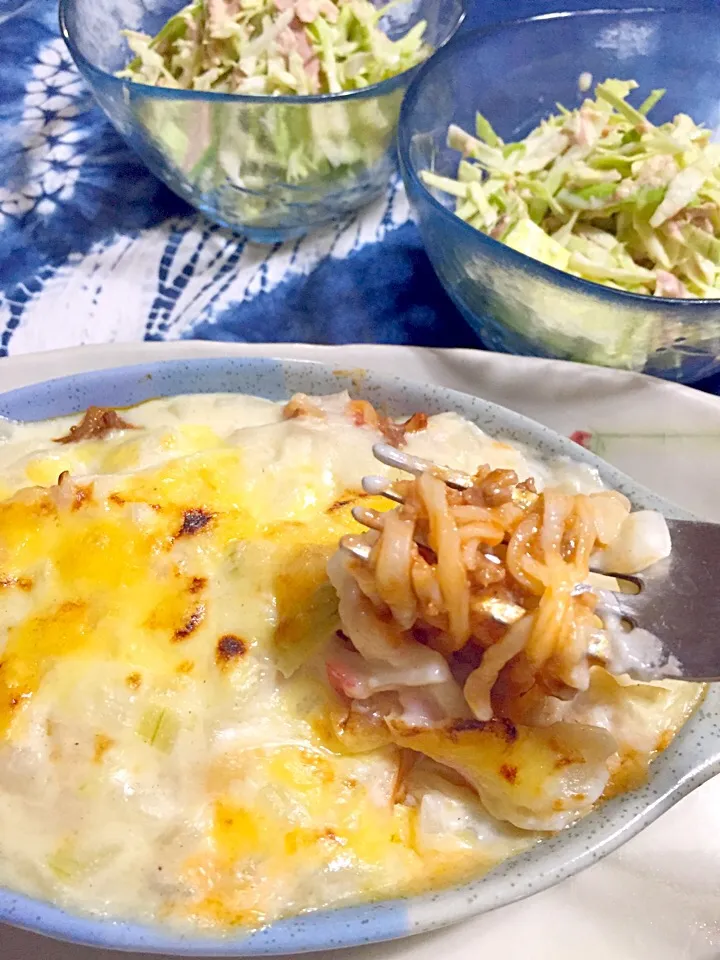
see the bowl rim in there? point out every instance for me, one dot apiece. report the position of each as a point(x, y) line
point(496, 248)
point(691, 759)
point(168, 94)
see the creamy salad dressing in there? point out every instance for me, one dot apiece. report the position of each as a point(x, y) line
point(165, 746)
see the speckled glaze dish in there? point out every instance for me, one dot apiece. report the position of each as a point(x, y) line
point(693, 757)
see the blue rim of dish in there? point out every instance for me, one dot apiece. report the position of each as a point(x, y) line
point(163, 93)
point(692, 758)
point(495, 247)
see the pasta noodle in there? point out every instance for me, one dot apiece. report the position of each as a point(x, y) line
point(486, 579)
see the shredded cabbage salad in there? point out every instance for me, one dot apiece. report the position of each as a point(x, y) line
point(599, 192)
point(266, 163)
point(272, 47)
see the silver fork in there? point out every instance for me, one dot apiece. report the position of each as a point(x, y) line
point(675, 603)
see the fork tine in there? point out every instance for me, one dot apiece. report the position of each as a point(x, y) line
point(355, 547)
point(638, 581)
point(368, 518)
point(392, 457)
point(375, 521)
point(381, 487)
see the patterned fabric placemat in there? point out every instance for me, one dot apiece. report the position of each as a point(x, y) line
point(94, 249)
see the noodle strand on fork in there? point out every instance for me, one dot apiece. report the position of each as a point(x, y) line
point(393, 568)
point(445, 540)
point(479, 685)
point(483, 580)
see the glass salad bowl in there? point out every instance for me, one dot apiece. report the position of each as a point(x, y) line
point(514, 74)
point(271, 167)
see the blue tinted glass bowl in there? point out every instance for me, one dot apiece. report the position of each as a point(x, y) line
point(514, 74)
point(232, 156)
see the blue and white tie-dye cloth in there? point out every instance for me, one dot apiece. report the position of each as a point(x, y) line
point(94, 249)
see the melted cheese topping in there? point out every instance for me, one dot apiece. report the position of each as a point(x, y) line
point(165, 746)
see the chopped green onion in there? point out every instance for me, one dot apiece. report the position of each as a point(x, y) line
point(64, 864)
point(159, 727)
point(70, 862)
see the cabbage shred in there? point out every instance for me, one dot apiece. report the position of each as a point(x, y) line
point(274, 47)
point(599, 192)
